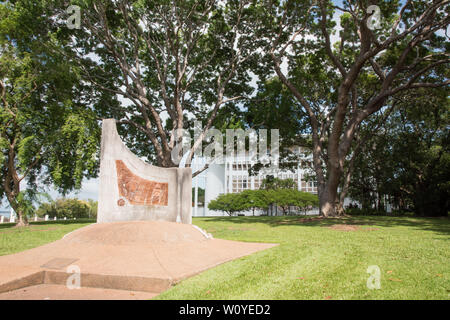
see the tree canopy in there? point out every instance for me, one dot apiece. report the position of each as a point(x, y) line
point(343, 80)
point(328, 74)
point(407, 163)
point(168, 62)
point(47, 134)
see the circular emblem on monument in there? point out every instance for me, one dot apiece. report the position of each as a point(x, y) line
point(121, 202)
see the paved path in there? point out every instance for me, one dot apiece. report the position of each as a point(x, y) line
point(141, 257)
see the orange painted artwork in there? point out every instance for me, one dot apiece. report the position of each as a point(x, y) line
point(139, 191)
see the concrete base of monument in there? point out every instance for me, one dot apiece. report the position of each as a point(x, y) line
point(139, 258)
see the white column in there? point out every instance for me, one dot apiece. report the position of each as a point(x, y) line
point(252, 186)
point(225, 186)
point(204, 203)
point(230, 176)
point(2, 218)
point(196, 196)
point(299, 180)
point(12, 216)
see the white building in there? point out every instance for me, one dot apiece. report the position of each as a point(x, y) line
point(232, 176)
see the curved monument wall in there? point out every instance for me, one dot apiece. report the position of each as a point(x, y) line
point(131, 189)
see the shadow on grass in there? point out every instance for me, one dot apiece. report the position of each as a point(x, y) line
point(50, 222)
point(439, 224)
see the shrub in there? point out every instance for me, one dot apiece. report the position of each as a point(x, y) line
point(68, 208)
point(232, 203)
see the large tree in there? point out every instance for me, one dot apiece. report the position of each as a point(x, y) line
point(408, 162)
point(170, 62)
point(47, 137)
point(341, 81)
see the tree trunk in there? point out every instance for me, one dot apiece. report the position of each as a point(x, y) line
point(327, 195)
point(23, 221)
point(340, 211)
point(11, 185)
point(347, 179)
point(327, 204)
point(11, 196)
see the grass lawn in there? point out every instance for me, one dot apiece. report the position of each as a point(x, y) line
point(37, 234)
point(313, 261)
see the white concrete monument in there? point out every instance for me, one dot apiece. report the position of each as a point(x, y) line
point(131, 189)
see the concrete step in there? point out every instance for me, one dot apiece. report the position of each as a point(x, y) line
point(61, 292)
point(105, 281)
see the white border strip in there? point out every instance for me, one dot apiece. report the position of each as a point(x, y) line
point(203, 232)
